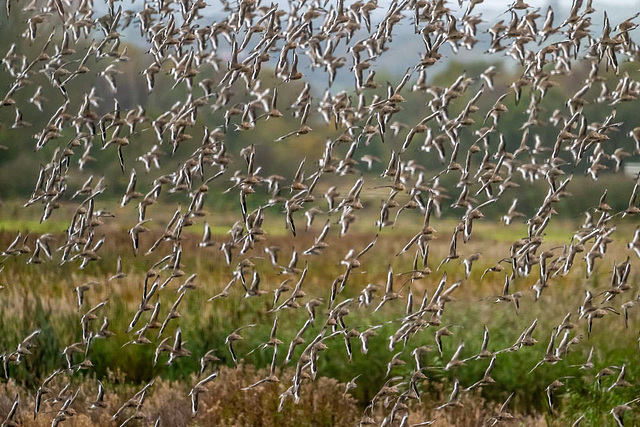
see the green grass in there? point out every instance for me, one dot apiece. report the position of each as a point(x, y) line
point(42, 296)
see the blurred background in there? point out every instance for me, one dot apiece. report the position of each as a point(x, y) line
point(284, 157)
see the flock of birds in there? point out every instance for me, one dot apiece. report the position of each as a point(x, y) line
point(256, 40)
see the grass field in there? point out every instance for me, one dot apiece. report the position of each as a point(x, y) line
point(42, 297)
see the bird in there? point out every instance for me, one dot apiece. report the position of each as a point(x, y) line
point(80, 290)
point(618, 411)
point(99, 401)
point(351, 384)
point(11, 415)
point(206, 238)
point(234, 336)
point(453, 397)
point(198, 389)
point(551, 388)
point(206, 359)
point(588, 364)
point(119, 272)
point(486, 378)
point(484, 352)
point(502, 412)
point(468, 263)
point(455, 359)
point(272, 377)
point(550, 356)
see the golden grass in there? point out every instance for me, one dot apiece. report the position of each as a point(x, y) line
point(224, 404)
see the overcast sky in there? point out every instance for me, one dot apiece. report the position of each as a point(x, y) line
point(566, 4)
point(491, 8)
